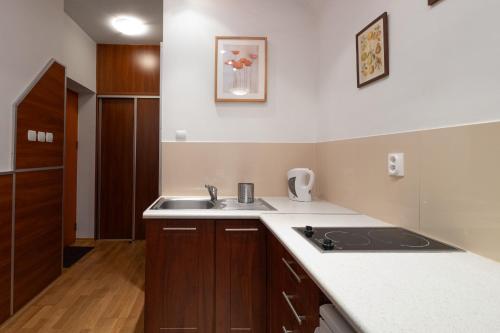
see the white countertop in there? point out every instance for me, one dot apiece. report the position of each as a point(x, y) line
point(397, 292)
point(381, 291)
point(282, 204)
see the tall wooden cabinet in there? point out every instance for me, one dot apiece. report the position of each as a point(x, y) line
point(128, 164)
point(240, 270)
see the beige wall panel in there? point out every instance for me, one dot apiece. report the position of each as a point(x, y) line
point(460, 190)
point(187, 167)
point(353, 173)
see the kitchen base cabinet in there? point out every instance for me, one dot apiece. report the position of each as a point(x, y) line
point(224, 276)
point(179, 276)
point(240, 270)
point(293, 298)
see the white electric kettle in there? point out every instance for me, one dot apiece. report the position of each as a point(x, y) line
point(300, 183)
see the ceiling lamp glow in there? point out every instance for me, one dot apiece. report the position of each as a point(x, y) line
point(129, 25)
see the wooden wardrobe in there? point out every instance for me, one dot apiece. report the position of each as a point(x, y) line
point(128, 138)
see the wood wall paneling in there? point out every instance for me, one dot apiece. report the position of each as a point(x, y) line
point(128, 69)
point(5, 244)
point(38, 234)
point(42, 110)
point(147, 159)
point(116, 170)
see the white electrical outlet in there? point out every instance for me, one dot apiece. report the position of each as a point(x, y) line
point(41, 136)
point(180, 135)
point(396, 164)
point(31, 135)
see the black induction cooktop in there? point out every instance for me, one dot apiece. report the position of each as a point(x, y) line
point(371, 239)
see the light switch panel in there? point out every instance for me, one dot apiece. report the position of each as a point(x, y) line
point(31, 135)
point(41, 136)
point(49, 137)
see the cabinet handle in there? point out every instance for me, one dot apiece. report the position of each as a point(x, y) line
point(285, 330)
point(241, 230)
point(180, 229)
point(295, 275)
point(290, 305)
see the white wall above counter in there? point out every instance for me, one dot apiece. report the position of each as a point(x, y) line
point(188, 75)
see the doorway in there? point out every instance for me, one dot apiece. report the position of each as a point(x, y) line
point(70, 167)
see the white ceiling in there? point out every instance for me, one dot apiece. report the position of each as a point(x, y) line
point(94, 17)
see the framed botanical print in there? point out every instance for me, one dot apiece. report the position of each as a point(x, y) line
point(372, 51)
point(240, 69)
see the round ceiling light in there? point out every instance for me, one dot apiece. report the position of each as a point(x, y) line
point(128, 25)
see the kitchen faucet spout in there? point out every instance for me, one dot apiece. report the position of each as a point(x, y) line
point(212, 190)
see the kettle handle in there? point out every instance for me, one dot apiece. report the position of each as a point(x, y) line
point(311, 179)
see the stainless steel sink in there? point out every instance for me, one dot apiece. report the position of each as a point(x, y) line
point(183, 204)
point(223, 204)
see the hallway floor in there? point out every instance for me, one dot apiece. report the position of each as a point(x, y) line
point(103, 292)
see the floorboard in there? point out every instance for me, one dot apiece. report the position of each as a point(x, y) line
point(103, 292)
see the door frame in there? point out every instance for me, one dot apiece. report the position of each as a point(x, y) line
point(65, 179)
point(97, 216)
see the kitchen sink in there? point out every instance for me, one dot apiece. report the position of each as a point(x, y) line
point(223, 204)
point(183, 204)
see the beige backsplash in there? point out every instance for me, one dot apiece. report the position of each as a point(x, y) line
point(188, 166)
point(451, 190)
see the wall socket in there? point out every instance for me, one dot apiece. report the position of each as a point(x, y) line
point(396, 164)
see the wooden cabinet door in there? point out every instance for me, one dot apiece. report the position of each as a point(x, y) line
point(240, 289)
point(116, 168)
point(179, 276)
point(147, 159)
point(293, 304)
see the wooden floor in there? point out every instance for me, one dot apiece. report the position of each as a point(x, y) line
point(103, 292)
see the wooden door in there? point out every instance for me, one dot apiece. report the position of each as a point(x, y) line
point(70, 167)
point(147, 159)
point(240, 288)
point(116, 168)
point(5, 244)
point(179, 276)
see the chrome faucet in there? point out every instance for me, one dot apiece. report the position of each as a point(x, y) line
point(212, 190)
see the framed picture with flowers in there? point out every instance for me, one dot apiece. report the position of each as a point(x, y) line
point(240, 69)
point(372, 51)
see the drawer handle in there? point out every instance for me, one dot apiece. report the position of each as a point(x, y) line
point(286, 331)
point(290, 305)
point(295, 275)
point(241, 230)
point(180, 229)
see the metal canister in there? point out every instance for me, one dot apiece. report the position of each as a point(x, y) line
point(245, 193)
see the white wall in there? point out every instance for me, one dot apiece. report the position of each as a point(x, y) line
point(85, 206)
point(188, 103)
point(79, 54)
point(444, 67)
point(30, 34)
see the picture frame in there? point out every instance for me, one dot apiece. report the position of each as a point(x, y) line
point(372, 51)
point(432, 2)
point(240, 69)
